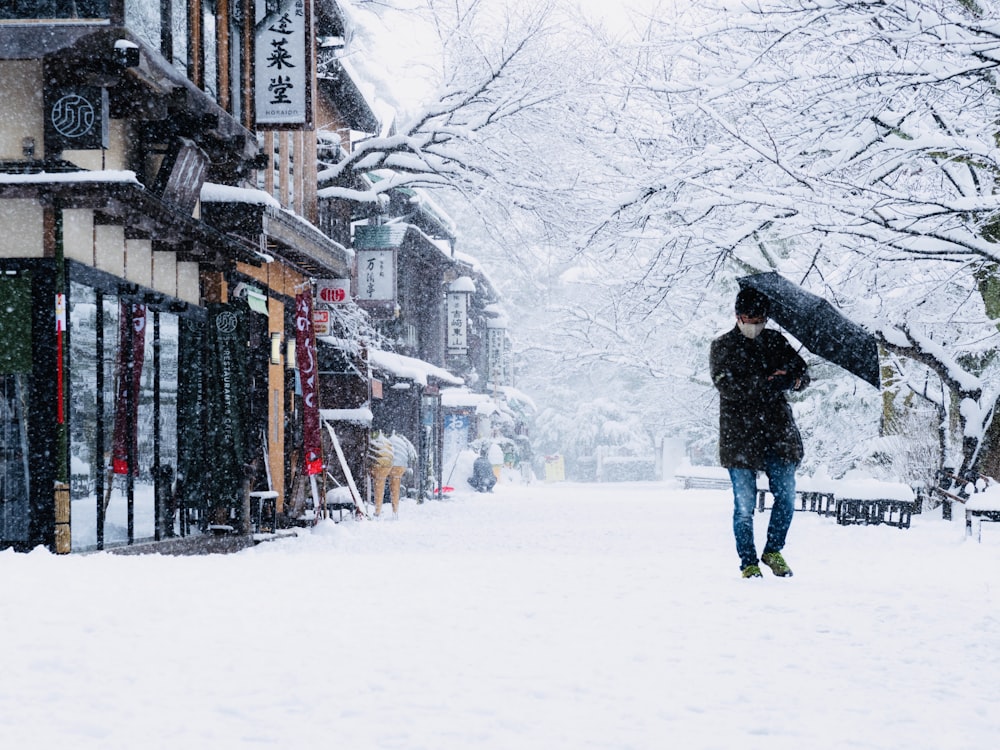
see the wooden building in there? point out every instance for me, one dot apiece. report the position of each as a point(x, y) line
point(166, 238)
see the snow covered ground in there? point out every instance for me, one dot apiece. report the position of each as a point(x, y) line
point(543, 616)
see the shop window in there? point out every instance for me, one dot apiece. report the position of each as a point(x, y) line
point(85, 444)
point(179, 36)
point(143, 19)
point(15, 379)
point(111, 341)
point(210, 47)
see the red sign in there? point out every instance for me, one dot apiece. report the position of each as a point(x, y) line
point(321, 322)
point(334, 291)
point(305, 357)
point(131, 352)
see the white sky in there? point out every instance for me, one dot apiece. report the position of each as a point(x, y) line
point(404, 51)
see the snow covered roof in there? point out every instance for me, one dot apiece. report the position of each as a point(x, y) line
point(213, 193)
point(409, 367)
point(99, 175)
point(392, 235)
point(463, 398)
point(463, 284)
point(514, 395)
point(361, 416)
point(373, 236)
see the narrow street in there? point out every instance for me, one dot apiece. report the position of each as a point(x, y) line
point(542, 616)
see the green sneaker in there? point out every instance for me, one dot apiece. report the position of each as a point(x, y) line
point(776, 563)
point(752, 571)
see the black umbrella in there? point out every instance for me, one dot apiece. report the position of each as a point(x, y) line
point(820, 326)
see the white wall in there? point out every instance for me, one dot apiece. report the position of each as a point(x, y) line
point(22, 107)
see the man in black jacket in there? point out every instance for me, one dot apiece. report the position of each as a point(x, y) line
point(752, 367)
point(482, 477)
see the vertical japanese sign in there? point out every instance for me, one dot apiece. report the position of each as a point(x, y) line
point(376, 275)
point(131, 353)
point(496, 343)
point(226, 388)
point(458, 313)
point(305, 357)
point(282, 63)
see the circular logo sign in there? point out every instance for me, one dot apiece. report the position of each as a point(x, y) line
point(73, 116)
point(226, 322)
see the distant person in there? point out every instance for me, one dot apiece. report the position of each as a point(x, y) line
point(483, 478)
point(495, 455)
point(404, 455)
point(380, 463)
point(752, 367)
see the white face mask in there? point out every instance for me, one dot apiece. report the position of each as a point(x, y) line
point(750, 330)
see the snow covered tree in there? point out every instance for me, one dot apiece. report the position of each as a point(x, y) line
point(849, 144)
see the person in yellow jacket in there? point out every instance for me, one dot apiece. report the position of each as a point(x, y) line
point(380, 461)
point(404, 456)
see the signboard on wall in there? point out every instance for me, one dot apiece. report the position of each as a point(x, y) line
point(376, 275)
point(321, 322)
point(305, 356)
point(282, 65)
point(333, 291)
point(458, 304)
point(496, 352)
point(76, 118)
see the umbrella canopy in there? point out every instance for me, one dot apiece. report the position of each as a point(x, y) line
point(820, 326)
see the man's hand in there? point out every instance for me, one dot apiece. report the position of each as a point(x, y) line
point(780, 380)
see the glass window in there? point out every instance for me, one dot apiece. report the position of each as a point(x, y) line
point(115, 487)
point(144, 487)
point(235, 67)
point(15, 382)
point(168, 337)
point(106, 333)
point(85, 450)
point(211, 48)
point(142, 17)
point(179, 28)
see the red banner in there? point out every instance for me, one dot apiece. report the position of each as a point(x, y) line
point(131, 352)
point(305, 358)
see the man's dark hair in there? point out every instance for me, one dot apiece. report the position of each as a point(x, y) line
point(752, 303)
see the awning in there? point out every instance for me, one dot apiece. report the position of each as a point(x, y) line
point(257, 301)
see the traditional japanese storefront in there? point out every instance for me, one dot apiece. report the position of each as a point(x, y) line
point(102, 322)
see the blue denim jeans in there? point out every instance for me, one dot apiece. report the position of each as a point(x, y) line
point(781, 477)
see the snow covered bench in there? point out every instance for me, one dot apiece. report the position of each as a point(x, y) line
point(340, 499)
point(982, 506)
point(871, 501)
point(852, 501)
point(812, 495)
point(702, 477)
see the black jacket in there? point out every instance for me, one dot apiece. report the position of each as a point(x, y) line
point(754, 416)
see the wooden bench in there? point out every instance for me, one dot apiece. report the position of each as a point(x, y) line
point(875, 511)
point(978, 493)
point(823, 503)
point(980, 507)
point(851, 501)
point(979, 515)
point(340, 499)
point(703, 477)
